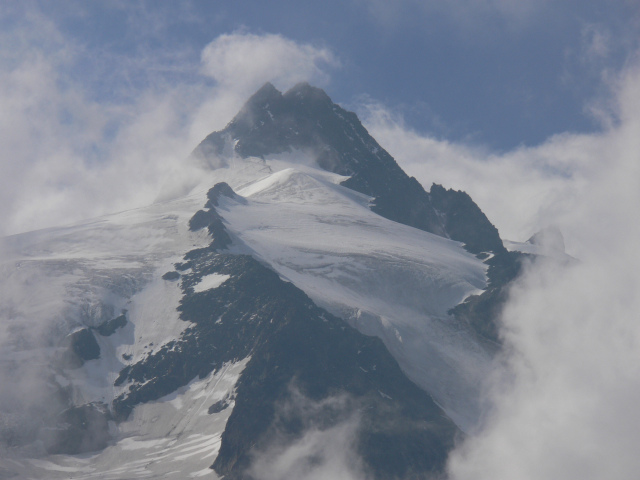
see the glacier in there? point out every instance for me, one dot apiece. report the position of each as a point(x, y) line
point(286, 210)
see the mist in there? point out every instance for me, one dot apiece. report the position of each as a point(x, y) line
point(564, 393)
point(325, 449)
point(72, 153)
point(564, 401)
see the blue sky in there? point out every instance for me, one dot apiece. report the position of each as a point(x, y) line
point(501, 73)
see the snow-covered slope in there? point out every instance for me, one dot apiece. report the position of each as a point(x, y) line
point(62, 280)
point(176, 437)
point(112, 314)
point(386, 279)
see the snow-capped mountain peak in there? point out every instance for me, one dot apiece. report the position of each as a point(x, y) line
point(311, 285)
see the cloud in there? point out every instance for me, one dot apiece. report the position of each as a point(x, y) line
point(526, 189)
point(596, 40)
point(318, 455)
point(65, 155)
point(247, 61)
point(325, 450)
point(565, 405)
point(565, 392)
point(72, 151)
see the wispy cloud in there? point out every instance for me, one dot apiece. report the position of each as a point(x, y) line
point(324, 450)
point(528, 188)
point(566, 389)
point(72, 150)
point(246, 61)
point(564, 406)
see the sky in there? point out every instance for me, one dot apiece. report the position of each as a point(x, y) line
point(102, 100)
point(531, 106)
point(501, 73)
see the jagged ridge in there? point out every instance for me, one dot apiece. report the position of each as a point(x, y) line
point(293, 344)
point(305, 118)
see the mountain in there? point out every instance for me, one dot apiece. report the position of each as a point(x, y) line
point(306, 119)
point(308, 307)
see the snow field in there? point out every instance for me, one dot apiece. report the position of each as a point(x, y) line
point(386, 279)
point(172, 438)
point(208, 282)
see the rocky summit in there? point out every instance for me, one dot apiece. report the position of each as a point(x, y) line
point(307, 307)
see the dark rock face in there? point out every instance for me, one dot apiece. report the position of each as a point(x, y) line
point(84, 345)
point(290, 341)
point(170, 276)
point(295, 348)
point(463, 219)
point(201, 219)
point(221, 189)
point(80, 346)
point(482, 312)
point(401, 429)
point(109, 328)
point(220, 406)
point(209, 218)
point(305, 118)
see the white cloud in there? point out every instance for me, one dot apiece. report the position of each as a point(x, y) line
point(515, 190)
point(321, 454)
point(246, 61)
point(596, 41)
point(324, 451)
point(566, 394)
point(568, 408)
point(69, 153)
point(524, 190)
